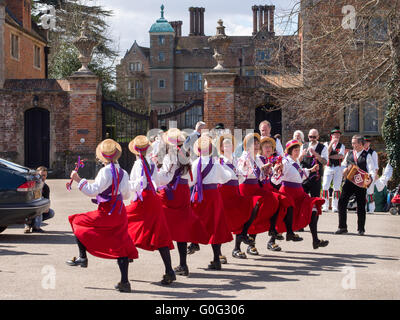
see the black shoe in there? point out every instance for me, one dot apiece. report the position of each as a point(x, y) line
point(273, 247)
point(279, 236)
point(214, 265)
point(82, 262)
point(223, 259)
point(130, 260)
point(301, 230)
point(123, 287)
point(182, 270)
point(168, 278)
point(37, 230)
point(293, 237)
point(341, 231)
point(192, 248)
point(252, 250)
point(361, 233)
point(320, 243)
point(245, 239)
point(239, 254)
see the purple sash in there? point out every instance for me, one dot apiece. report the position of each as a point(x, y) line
point(198, 187)
point(292, 184)
point(149, 183)
point(106, 195)
point(171, 187)
point(299, 170)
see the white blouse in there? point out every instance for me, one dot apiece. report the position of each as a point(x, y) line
point(246, 165)
point(103, 180)
point(167, 171)
point(217, 175)
point(136, 178)
point(234, 174)
point(290, 173)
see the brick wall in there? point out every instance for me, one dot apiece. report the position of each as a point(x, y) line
point(23, 67)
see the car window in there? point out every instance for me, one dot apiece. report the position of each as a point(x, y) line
point(14, 166)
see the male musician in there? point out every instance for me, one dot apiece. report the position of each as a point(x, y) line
point(370, 190)
point(363, 160)
point(333, 170)
point(313, 153)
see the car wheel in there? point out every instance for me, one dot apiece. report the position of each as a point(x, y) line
point(2, 229)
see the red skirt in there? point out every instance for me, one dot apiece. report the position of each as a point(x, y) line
point(237, 208)
point(147, 225)
point(211, 213)
point(104, 236)
point(269, 205)
point(183, 223)
point(302, 205)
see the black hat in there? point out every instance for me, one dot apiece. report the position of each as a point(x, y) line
point(367, 138)
point(336, 130)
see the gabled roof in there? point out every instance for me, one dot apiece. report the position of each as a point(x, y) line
point(145, 51)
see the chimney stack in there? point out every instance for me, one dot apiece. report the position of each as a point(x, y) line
point(21, 9)
point(263, 15)
point(196, 21)
point(177, 25)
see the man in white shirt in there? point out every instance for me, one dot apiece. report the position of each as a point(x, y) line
point(313, 153)
point(370, 190)
point(359, 157)
point(333, 170)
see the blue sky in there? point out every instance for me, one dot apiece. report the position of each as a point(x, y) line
point(132, 18)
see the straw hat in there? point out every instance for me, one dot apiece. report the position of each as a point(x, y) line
point(270, 140)
point(248, 138)
point(203, 145)
point(174, 137)
point(108, 151)
point(222, 138)
point(140, 143)
point(292, 143)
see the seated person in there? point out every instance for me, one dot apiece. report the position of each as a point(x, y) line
point(35, 225)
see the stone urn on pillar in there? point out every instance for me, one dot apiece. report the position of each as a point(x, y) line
point(220, 42)
point(85, 45)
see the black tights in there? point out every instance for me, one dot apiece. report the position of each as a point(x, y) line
point(82, 249)
point(246, 226)
point(123, 263)
point(217, 251)
point(166, 257)
point(313, 226)
point(182, 249)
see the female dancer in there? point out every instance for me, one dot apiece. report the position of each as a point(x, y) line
point(183, 224)
point(146, 218)
point(104, 232)
point(252, 171)
point(206, 199)
point(305, 209)
point(285, 214)
point(239, 210)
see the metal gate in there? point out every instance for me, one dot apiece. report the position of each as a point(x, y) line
point(123, 125)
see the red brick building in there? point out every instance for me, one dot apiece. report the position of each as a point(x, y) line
point(43, 121)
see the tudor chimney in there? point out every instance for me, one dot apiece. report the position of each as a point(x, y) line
point(196, 21)
point(263, 16)
point(177, 25)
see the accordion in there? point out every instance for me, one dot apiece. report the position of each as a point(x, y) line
point(358, 177)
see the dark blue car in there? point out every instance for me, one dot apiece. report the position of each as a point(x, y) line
point(20, 194)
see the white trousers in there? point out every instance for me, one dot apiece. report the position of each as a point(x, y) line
point(334, 174)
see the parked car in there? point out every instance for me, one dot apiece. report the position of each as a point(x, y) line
point(20, 194)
